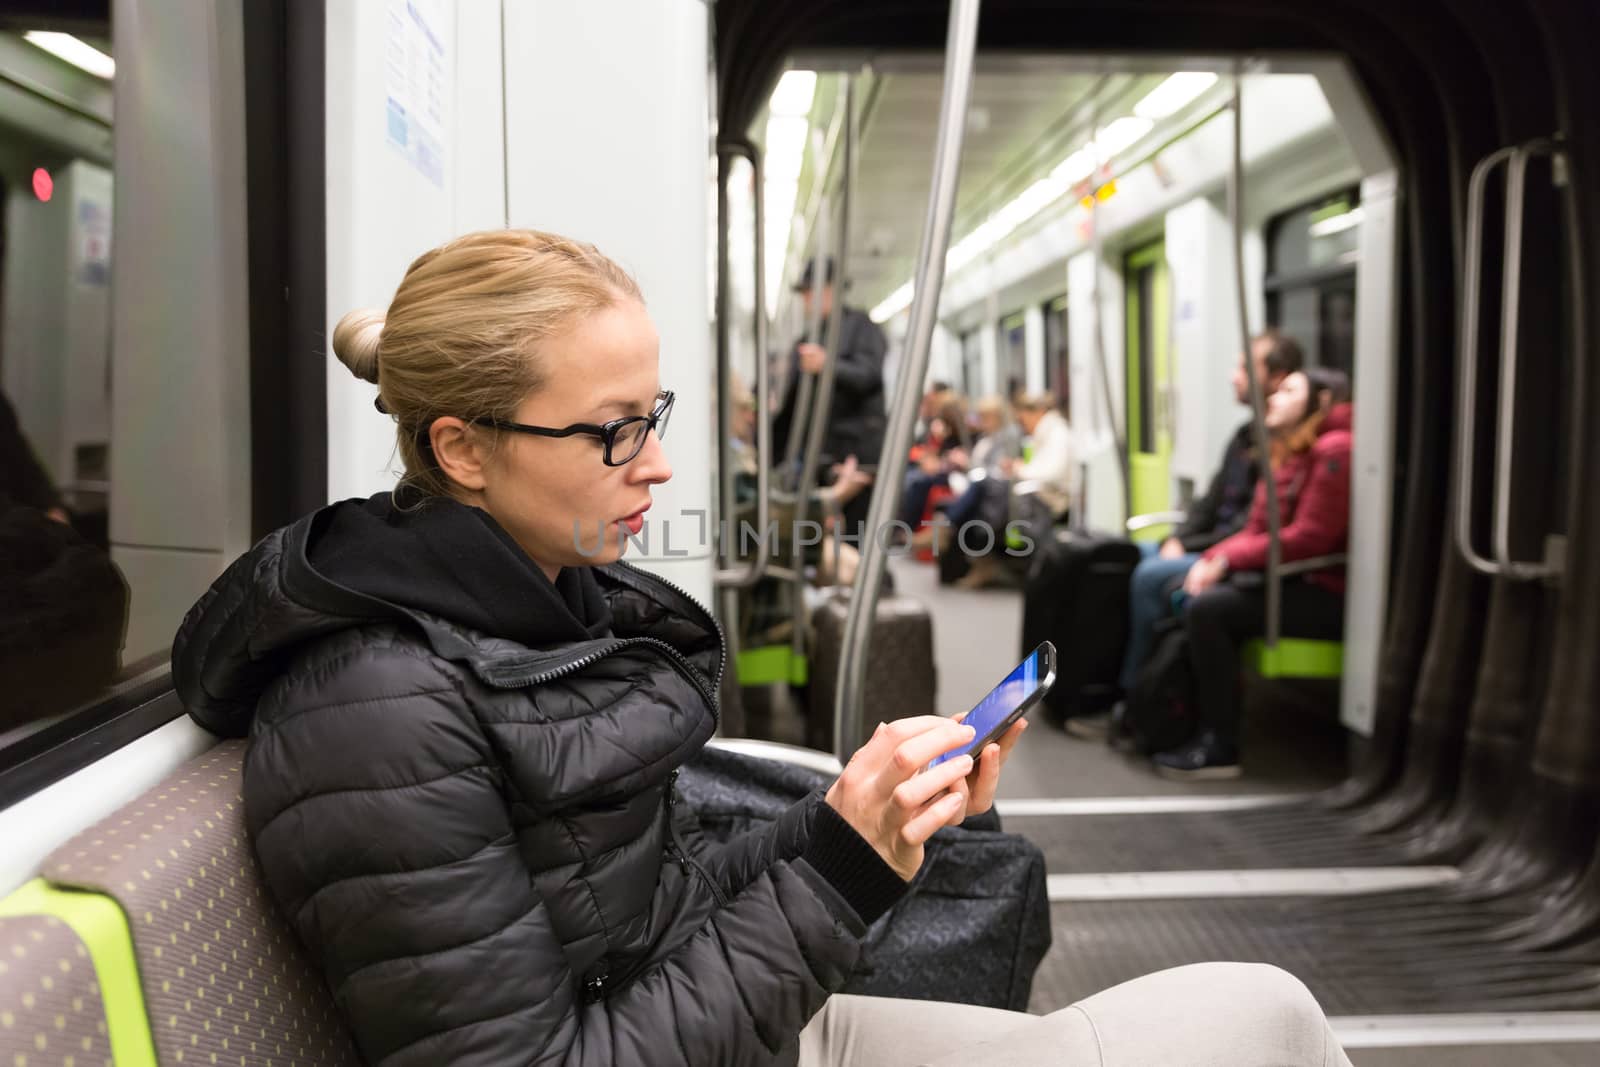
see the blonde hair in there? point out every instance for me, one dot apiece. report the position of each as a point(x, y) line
point(462, 332)
point(1036, 402)
point(992, 405)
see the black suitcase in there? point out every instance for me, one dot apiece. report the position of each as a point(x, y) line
point(901, 676)
point(1077, 597)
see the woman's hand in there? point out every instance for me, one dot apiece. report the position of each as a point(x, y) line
point(1203, 575)
point(985, 777)
point(891, 805)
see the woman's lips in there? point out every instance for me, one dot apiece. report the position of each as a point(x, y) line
point(634, 523)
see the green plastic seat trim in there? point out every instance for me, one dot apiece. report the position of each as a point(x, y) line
point(772, 665)
point(1296, 658)
point(101, 925)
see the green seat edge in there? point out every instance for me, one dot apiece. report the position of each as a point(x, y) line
point(1296, 658)
point(101, 925)
point(772, 665)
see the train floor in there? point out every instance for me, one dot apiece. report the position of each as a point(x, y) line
point(1147, 873)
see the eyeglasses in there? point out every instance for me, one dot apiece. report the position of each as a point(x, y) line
point(623, 438)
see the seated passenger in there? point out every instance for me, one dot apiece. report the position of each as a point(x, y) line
point(1309, 418)
point(985, 475)
point(1050, 471)
point(465, 725)
point(1218, 514)
point(943, 452)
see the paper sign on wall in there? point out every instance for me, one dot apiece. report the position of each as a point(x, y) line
point(417, 77)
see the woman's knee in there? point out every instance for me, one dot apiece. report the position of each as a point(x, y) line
point(1256, 1013)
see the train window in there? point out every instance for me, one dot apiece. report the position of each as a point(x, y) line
point(971, 363)
point(1013, 355)
point(1057, 362)
point(64, 603)
point(1311, 276)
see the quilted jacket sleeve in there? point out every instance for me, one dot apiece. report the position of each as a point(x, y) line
point(401, 872)
point(738, 862)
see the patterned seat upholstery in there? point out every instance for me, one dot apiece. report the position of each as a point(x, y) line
point(224, 979)
point(50, 1006)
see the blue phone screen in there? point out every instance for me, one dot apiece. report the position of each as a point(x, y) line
point(1002, 700)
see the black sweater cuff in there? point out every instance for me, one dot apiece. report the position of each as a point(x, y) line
point(852, 866)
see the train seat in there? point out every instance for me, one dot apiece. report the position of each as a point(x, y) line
point(1296, 657)
point(149, 938)
point(193, 964)
point(51, 1010)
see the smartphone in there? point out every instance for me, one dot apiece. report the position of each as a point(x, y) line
point(1009, 701)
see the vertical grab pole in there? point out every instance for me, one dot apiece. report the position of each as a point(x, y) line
point(960, 45)
point(822, 399)
point(1510, 345)
point(1258, 405)
point(758, 566)
point(727, 597)
point(806, 388)
point(1471, 300)
point(1119, 434)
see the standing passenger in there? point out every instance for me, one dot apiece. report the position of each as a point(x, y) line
point(466, 717)
point(856, 420)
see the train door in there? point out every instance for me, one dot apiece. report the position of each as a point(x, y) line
point(1149, 378)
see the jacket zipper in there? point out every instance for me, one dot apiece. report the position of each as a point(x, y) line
point(706, 616)
point(678, 659)
point(676, 849)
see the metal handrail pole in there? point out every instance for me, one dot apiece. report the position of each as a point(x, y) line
point(961, 42)
point(1258, 404)
point(1471, 299)
point(1510, 346)
point(822, 399)
point(800, 422)
point(757, 568)
point(728, 600)
point(1119, 433)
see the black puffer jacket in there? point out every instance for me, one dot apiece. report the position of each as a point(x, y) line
point(460, 789)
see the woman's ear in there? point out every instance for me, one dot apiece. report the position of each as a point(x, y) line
point(461, 452)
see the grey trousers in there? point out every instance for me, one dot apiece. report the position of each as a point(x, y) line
point(1204, 1015)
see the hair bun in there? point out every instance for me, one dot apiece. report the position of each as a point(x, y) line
point(356, 340)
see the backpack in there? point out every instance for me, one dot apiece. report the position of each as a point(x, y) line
point(972, 930)
point(1161, 712)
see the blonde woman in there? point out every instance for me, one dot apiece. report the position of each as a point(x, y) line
point(466, 717)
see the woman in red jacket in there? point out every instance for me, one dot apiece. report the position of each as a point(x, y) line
point(1309, 420)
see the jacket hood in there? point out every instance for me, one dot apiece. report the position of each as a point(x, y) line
point(1339, 417)
point(446, 572)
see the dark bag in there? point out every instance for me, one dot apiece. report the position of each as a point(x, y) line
point(972, 930)
point(901, 677)
point(1161, 711)
point(1076, 597)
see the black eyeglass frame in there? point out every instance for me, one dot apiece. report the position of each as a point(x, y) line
point(607, 432)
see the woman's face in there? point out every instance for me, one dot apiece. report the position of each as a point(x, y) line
point(556, 496)
point(1286, 407)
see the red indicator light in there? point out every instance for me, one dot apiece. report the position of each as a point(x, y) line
point(43, 186)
